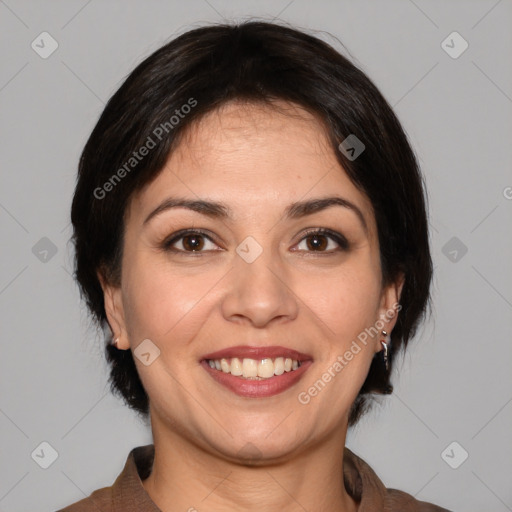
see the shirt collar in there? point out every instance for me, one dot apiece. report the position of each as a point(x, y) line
point(128, 493)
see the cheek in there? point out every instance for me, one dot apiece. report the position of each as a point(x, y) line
point(169, 302)
point(347, 304)
point(346, 300)
point(162, 301)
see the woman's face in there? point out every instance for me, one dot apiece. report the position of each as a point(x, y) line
point(256, 277)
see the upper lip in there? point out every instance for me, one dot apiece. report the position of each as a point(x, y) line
point(252, 352)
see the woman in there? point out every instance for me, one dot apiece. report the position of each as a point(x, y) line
point(250, 223)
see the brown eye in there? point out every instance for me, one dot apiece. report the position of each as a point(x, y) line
point(193, 242)
point(323, 240)
point(189, 241)
point(317, 242)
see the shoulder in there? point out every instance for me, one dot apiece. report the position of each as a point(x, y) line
point(367, 488)
point(127, 494)
point(399, 500)
point(101, 499)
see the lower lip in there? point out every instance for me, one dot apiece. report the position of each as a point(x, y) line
point(257, 388)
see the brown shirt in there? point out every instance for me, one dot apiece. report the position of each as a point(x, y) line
point(127, 494)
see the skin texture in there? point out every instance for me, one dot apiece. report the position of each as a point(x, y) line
point(257, 160)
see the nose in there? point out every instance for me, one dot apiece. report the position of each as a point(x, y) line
point(259, 292)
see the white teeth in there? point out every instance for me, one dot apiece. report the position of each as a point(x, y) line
point(236, 367)
point(266, 368)
point(279, 366)
point(255, 369)
point(250, 368)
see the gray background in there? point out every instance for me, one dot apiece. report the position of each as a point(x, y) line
point(454, 384)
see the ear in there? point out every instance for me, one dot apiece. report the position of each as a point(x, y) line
point(115, 312)
point(390, 306)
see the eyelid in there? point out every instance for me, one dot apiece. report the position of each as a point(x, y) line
point(338, 238)
point(167, 243)
point(329, 233)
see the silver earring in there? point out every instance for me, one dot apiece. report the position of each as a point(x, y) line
point(385, 350)
point(115, 342)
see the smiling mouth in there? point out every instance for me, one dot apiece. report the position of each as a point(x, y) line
point(255, 369)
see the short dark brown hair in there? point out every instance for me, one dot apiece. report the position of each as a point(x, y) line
point(260, 62)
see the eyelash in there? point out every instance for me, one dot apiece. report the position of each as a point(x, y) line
point(166, 245)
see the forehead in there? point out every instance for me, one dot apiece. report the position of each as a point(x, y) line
point(253, 156)
point(240, 129)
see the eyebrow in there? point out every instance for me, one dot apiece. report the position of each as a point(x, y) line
point(295, 210)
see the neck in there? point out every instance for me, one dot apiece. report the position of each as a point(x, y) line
point(189, 477)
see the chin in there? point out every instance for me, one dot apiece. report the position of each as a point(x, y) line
point(261, 449)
